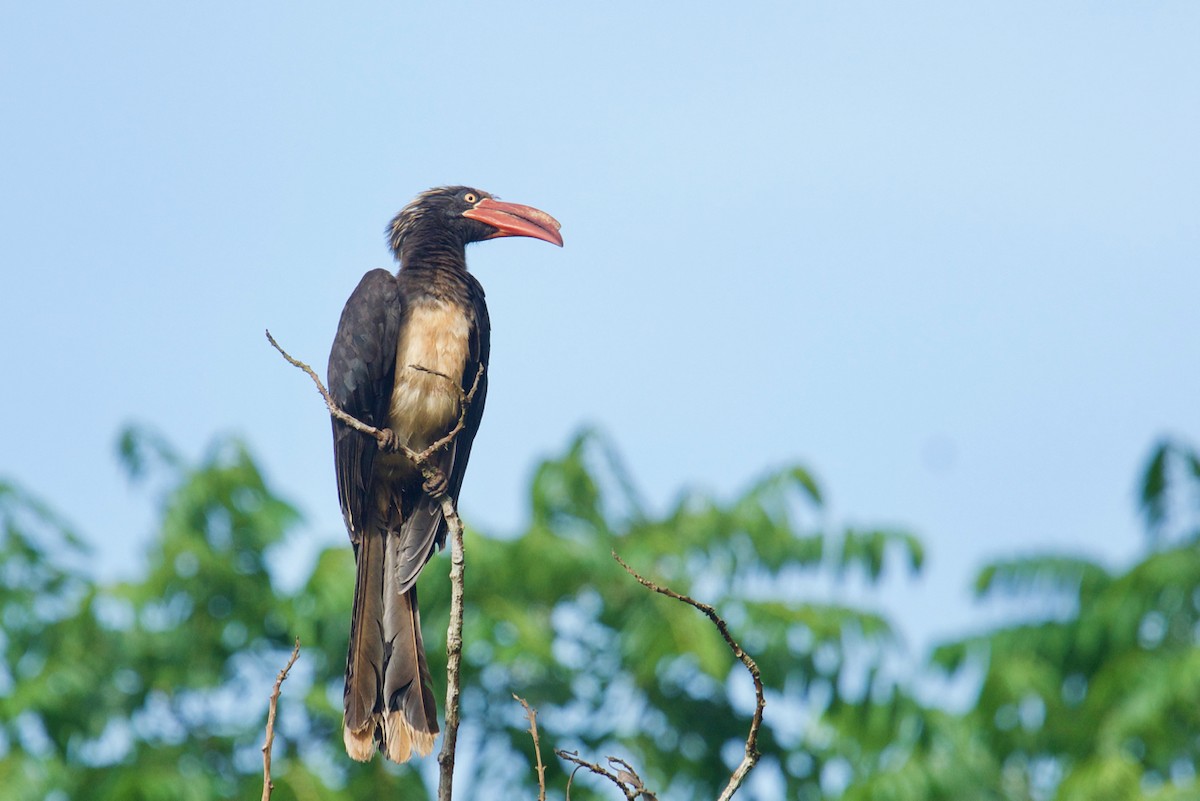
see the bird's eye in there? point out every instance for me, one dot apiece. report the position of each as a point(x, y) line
point(470, 197)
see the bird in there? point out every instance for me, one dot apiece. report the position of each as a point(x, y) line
point(409, 347)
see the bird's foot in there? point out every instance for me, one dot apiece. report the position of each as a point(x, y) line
point(436, 483)
point(388, 441)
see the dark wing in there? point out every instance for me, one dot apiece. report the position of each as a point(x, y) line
point(424, 530)
point(362, 371)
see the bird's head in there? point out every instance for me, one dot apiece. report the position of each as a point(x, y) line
point(455, 216)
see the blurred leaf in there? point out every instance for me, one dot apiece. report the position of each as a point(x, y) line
point(1171, 464)
point(139, 447)
point(1046, 574)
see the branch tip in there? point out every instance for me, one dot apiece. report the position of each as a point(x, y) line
point(752, 753)
point(531, 716)
point(272, 706)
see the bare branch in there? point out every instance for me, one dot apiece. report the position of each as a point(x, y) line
point(627, 774)
point(270, 740)
point(531, 714)
point(334, 409)
point(453, 648)
point(631, 794)
point(626, 778)
point(385, 437)
point(434, 478)
point(464, 403)
point(752, 754)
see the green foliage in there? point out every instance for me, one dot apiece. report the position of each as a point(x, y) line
point(1103, 700)
point(1169, 462)
point(154, 687)
point(157, 686)
point(614, 669)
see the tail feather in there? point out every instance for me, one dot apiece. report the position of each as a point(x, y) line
point(410, 716)
point(365, 661)
point(388, 699)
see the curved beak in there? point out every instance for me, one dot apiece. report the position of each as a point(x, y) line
point(513, 219)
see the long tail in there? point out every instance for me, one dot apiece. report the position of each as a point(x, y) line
point(388, 699)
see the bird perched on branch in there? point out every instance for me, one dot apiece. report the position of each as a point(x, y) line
point(409, 348)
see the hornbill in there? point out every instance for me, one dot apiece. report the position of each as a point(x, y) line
point(408, 347)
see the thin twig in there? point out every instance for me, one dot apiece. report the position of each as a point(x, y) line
point(631, 793)
point(453, 649)
point(627, 774)
point(752, 754)
point(383, 436)
point(570, 779)
point(434, 478)
point(531, 714)
point(274, 704)
point(334, 409)
point(464, 403)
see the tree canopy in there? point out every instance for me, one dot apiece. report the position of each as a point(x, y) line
point(156, 687)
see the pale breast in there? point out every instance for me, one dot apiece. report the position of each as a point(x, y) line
point(434, 335)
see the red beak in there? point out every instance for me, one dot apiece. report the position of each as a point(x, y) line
point(513, 219)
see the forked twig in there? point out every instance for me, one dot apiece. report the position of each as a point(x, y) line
point(383, 436)
point(626, 779)
point(464, 403)
point(268, 786)
point(434, 477)
point(752, 754)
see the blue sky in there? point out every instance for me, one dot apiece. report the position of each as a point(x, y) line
point(947, 255)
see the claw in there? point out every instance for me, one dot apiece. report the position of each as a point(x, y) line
point(388, 442)
point(436, 483)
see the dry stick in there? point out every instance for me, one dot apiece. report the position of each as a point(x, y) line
point(453, 651)
point(266, 749)
point(570, 779)
point(751, 758)
point(434, 478)
point(385, 437)
point(628, 775)
point(531, 714)
point(631, 794)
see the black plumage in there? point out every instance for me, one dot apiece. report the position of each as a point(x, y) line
point(407, 347)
